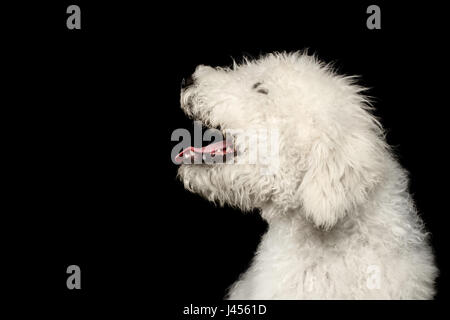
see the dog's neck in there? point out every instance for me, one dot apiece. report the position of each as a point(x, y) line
point(277, 218)
point(294, 222)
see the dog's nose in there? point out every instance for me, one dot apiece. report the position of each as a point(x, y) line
point(186, 82)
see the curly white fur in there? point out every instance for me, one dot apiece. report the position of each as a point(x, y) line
point(338, 207)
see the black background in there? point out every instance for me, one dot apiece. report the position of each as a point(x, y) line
point(93, 111)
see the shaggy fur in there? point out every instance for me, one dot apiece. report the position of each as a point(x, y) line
point(342, 224)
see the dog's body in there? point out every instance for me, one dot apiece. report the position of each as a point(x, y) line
point(341, 222)
point(380, 254)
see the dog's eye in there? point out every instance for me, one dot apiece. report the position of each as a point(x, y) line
point(256, 85)
point(260, 90)
point(263, 91)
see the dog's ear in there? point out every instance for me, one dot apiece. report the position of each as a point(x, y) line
point(341, 171)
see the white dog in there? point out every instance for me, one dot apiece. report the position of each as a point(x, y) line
point(342, 224)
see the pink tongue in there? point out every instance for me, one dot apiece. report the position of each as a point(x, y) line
point(213, 148)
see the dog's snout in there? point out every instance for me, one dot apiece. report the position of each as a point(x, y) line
point(186, 82)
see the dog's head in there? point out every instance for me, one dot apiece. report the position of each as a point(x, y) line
point(328, 149)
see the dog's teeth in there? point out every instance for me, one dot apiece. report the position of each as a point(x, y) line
point(188, 154)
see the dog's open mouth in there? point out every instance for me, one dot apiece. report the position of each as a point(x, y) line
point(222, 151)
point(217, 152)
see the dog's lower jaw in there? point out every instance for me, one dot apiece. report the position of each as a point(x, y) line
point(295, 260)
